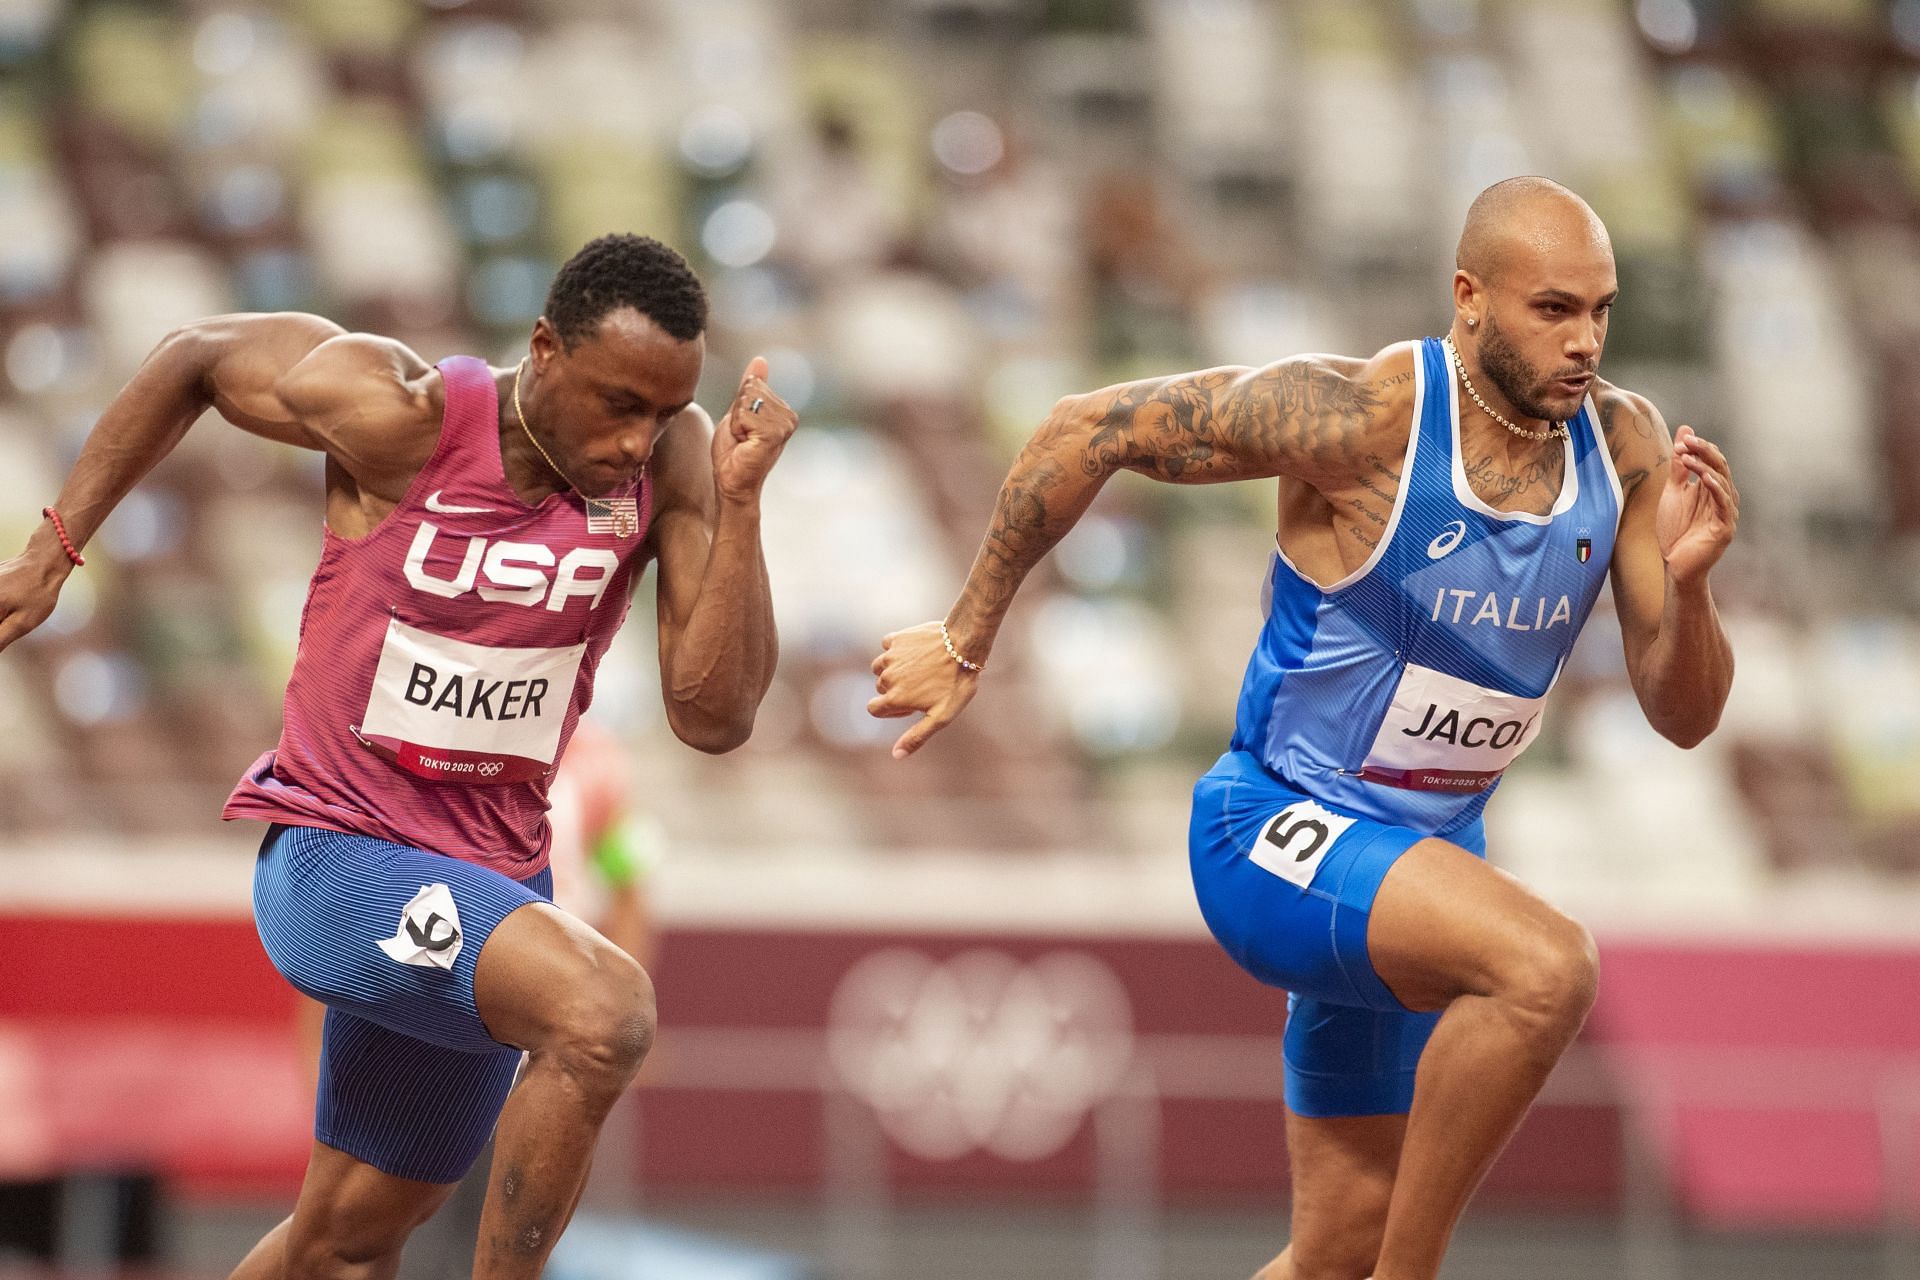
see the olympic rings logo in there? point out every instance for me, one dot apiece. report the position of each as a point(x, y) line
point(982, 1051)
point(490, 768)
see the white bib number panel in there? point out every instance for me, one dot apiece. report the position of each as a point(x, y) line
point(1294, 842)
point(456, 712)
point(1442, 733)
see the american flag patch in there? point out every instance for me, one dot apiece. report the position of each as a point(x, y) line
point(617, 516)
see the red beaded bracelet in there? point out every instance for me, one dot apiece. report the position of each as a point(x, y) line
point(60, 529)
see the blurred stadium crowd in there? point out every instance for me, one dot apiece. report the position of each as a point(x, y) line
point(936, 217)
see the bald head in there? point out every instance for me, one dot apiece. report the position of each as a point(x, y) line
point(1531, 221)
point(1533, 293)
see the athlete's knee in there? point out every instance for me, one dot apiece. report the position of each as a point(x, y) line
point(607, 1026)
point(1554, 975)
point(334, 1258)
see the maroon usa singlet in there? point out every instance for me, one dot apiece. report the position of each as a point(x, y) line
point(446, 656)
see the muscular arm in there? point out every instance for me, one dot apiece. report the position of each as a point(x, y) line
point(1680, 512)
point(293, 378)
point(1300, 417)
point(1312, 418)
point(717, 640)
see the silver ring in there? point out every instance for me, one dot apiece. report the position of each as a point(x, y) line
point(755, 406)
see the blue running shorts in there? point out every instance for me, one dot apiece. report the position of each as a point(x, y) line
point(1286, 885)
point(386, 936)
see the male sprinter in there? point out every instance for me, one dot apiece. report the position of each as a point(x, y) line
point(1448, 509)
point(484, 528)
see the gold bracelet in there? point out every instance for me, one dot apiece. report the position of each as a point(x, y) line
point(954, 653)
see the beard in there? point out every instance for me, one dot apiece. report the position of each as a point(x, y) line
point(1525, 387)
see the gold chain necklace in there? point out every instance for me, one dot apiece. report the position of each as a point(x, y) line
point(618, 516)
point(520, 417)
point(1548, 433)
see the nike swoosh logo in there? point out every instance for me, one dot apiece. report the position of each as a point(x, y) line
point(446, 509)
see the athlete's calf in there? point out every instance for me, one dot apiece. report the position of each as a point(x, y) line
point(584, 1011)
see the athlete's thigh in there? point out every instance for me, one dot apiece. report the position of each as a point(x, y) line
point(1444, 924)
point(1342, 1170)
point(1287, 883)
point(544, 972)
point(384, 931)
point(349, 1209)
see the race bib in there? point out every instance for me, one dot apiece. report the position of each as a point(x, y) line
point(1295, 841)
point(458, 712)
point(1446, 734)
point(429, 932)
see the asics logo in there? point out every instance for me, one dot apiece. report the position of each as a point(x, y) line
point(448, 509)
point(1449, 539)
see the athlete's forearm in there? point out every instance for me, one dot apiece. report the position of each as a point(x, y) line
point(1687, 671)
point(139, 427)
point(1051, 485)
point(723, 660)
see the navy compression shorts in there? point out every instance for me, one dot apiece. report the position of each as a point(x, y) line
point(386, 936)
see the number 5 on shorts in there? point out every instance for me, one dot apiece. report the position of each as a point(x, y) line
point(1293, 843)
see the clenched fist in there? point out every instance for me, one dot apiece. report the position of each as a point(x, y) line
point(749, 439)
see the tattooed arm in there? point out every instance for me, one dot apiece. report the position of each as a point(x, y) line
point(1308, 417)
point(1680, 511)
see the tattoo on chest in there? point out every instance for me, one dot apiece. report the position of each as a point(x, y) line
point(1363, 515)
point(1498, 482)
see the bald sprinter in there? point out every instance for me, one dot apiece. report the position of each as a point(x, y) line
point(1449, 510)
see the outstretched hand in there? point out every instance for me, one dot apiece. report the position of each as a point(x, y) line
point(914, 673)
point(1699, 507)
point(749, 439)
point(29, 588)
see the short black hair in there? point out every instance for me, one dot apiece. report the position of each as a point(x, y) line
point(623, 270)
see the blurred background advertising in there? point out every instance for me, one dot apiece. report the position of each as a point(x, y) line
point(960, 1016)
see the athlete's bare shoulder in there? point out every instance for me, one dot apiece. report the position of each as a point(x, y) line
point(1344, 409)
point(1387, 382)
point(355, 381)
point(1313, 417)
point(1636, 434)
point(368, 401)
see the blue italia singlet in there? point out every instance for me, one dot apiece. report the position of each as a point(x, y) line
point(1403, 691)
